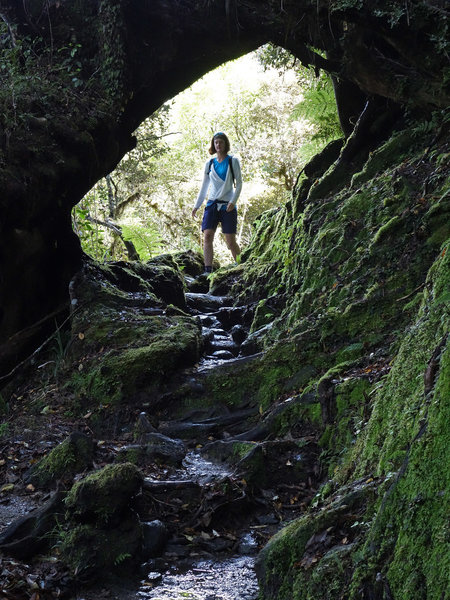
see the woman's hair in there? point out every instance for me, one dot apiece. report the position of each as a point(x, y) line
point(222, 136)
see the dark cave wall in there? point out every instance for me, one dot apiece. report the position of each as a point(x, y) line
point(129, 56)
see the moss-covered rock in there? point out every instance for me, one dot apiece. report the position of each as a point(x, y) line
point(101, 497)
point(101, 529)
point(89, 551)
point(72, 456)
point(408, 433)
point(125, 340)
point(300, 561)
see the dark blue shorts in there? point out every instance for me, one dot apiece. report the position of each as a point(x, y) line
point(212, 217)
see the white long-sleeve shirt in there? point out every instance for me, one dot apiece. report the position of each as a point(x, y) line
point(216, 188)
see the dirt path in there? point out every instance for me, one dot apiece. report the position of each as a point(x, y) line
point(216, 513)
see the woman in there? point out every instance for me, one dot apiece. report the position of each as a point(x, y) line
point(218, 179)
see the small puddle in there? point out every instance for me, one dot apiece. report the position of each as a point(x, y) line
point(230, 579)
point(201, 470)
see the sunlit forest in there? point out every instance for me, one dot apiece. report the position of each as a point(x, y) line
point(277, 115)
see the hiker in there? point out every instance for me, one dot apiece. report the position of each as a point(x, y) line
point(220, 175)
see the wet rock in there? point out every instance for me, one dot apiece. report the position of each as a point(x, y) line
point(154, 577)
point(248, 545)
point(73, 455)
point(30, 534)
point(238, 334)
point(155, 536)
point(206, 302)
point(198, 285)
point(161, 446)
point(154, 565)
point(255, 341)
point(103, 495)
point(235, 315)
point(223, 355)
point(207, 335)
point(223, 342)
point(154, 446)
point(142, 427)
point(209, 320)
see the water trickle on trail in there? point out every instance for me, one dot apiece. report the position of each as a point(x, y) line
point(201, 470)
point(230, 579)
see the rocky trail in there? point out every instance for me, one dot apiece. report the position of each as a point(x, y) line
point(217, 483)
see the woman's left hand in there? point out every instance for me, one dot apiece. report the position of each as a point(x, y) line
point(230, 206)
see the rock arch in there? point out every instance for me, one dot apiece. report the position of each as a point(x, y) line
point(80, 76)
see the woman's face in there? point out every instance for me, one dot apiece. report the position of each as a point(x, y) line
point(219, 145)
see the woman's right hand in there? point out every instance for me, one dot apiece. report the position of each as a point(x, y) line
point(194, 212)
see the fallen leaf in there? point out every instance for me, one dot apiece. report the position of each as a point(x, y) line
point(8, 487)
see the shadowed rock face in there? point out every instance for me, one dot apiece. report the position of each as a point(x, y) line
point(62, 129)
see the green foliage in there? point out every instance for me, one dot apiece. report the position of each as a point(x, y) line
point(319, 107)
point(122, 557)
point(146, 240)
point(91, 234)
point(155, 185)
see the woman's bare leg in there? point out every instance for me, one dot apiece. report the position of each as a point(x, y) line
point(208, 251)
point(232, 244)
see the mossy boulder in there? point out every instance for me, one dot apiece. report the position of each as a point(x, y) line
point(89, 551)
point(125, 340)
point(103, 496)
point(74, 455)
point(300, 561)
point(144, 367)
point(189, 262)
point(102, 530)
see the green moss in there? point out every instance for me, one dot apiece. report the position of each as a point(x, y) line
point(89, 551)
point(294, 563)
point(241, 449)
point(358, 281)
point(397, 147)
point(105, 493)
point(387, 229)
point(122, 372)
point(67, 459)
point(263, 380)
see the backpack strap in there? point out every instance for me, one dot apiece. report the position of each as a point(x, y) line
point(232, 172)
point(230, 163)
